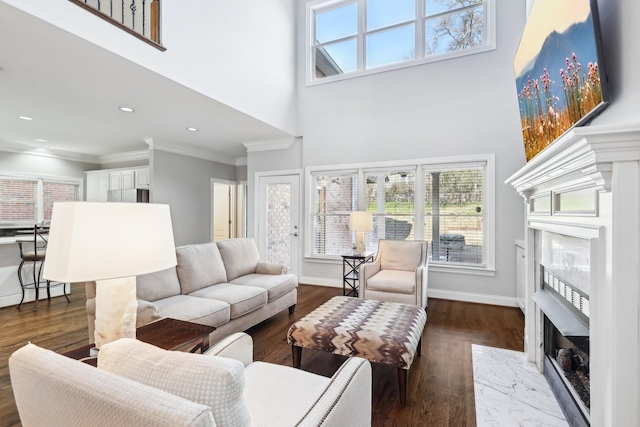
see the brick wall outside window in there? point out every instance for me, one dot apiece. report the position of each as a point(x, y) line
point(17, 200)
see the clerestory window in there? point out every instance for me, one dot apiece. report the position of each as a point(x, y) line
point(354, 37)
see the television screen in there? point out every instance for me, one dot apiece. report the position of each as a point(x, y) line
point(559, 71)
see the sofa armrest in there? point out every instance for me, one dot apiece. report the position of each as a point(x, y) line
point(238, 346)
point(271, 268)
point(347, 399)
point(367, 270)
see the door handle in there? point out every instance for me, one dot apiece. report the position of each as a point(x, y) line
point(294, 234)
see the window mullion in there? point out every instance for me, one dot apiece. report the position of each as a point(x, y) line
point(420, 24)
point(419, 200)
point(40, 200)
point(362, 28)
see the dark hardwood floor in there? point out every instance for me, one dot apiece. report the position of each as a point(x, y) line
point(440, 381)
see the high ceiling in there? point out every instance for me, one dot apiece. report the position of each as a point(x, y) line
point(73, 90)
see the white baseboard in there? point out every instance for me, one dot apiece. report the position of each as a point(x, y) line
point(471, 297)
point(432, 293)
point(320, 281)
point(30, 296)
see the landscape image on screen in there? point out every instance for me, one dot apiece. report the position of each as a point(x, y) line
point(557, 72)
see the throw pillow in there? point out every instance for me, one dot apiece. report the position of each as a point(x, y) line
point(214, 381)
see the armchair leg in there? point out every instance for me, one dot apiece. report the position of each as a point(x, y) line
point(292, 309)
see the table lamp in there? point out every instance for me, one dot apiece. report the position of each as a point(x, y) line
point(360, 221)
point(110, 243)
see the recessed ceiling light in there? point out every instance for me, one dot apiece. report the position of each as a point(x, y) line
point(192, 129)
point(25, 118)
point(41, 140)
point(127, 109)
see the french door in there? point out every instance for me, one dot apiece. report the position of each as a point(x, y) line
point(278, 222)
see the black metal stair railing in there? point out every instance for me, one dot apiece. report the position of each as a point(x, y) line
point(140, 18)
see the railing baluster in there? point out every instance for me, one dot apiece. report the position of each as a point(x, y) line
point(111, 9)
point(122, 22)
point(133, 14)
point(144, 17)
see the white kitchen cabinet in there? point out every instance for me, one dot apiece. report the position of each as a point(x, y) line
point(109, 184)
point(142, 178)
point(122, 180)
point(520, 278)
point(97, 186)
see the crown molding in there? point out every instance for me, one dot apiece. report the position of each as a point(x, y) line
point(268, 144)
point(34, 150)
point(124, 157)
point(190, 151)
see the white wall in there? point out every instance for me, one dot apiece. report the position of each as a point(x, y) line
point(184, 183)
point(240, 53)
point(620, 35)
point(456, 107)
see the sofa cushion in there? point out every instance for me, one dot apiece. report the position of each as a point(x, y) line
point(276, 285)
point(240, 256)
point(397, 281)
point(242, 299)
point(199, 266)
point(217, 382)
point(193, 309)
point(158, 285)
point(400, 254)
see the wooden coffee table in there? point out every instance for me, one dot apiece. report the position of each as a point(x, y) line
point(168, 334)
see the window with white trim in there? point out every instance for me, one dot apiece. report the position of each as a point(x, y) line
point(447, 203)
point(354, 37)
point(334, 196)
point(29, 199)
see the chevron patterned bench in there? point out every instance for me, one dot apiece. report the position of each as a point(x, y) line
point(379, 331)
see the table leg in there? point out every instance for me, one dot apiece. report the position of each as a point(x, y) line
point(402, 384)
point(296, 353)
point(420, 347)
point(205, 343)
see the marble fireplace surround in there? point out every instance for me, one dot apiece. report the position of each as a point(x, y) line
point(602, 162)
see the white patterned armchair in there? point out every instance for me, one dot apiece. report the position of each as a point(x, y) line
point(399, 273)
point(138, 384)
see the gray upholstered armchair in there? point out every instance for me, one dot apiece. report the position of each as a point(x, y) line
point(398, 274)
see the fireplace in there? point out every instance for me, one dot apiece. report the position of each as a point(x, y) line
point(566, 346)
point(582, 262)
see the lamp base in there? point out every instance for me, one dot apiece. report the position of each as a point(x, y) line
point(360, 246)
point(116, 310)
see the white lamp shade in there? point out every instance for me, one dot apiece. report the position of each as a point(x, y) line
point(97, 241)
point(360, 221)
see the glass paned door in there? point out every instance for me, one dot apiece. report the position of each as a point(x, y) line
point(278, 220)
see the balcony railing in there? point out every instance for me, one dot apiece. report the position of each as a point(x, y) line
point(140, 18)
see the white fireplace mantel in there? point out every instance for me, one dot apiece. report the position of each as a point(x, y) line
point(607, 160)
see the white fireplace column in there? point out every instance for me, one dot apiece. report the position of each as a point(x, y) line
point(605, 159)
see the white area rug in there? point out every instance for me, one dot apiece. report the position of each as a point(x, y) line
point(510, 391)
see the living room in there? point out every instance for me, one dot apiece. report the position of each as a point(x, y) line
point(406, 117)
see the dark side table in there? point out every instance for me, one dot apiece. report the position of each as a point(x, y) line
point(168, 334)
point(351, 271)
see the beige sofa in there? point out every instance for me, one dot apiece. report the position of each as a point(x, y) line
point(220, 284)
point(137, 384)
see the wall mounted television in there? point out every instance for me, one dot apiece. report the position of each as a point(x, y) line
point(559, 70)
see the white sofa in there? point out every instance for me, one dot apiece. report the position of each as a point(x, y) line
point(137, 384)
point(220, 284)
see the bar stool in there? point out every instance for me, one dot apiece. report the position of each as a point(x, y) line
point(34, 251)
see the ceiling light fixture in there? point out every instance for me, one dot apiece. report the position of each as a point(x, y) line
point(192, 129)
point(127, 109)
point(41, 140)
point(25, 118)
